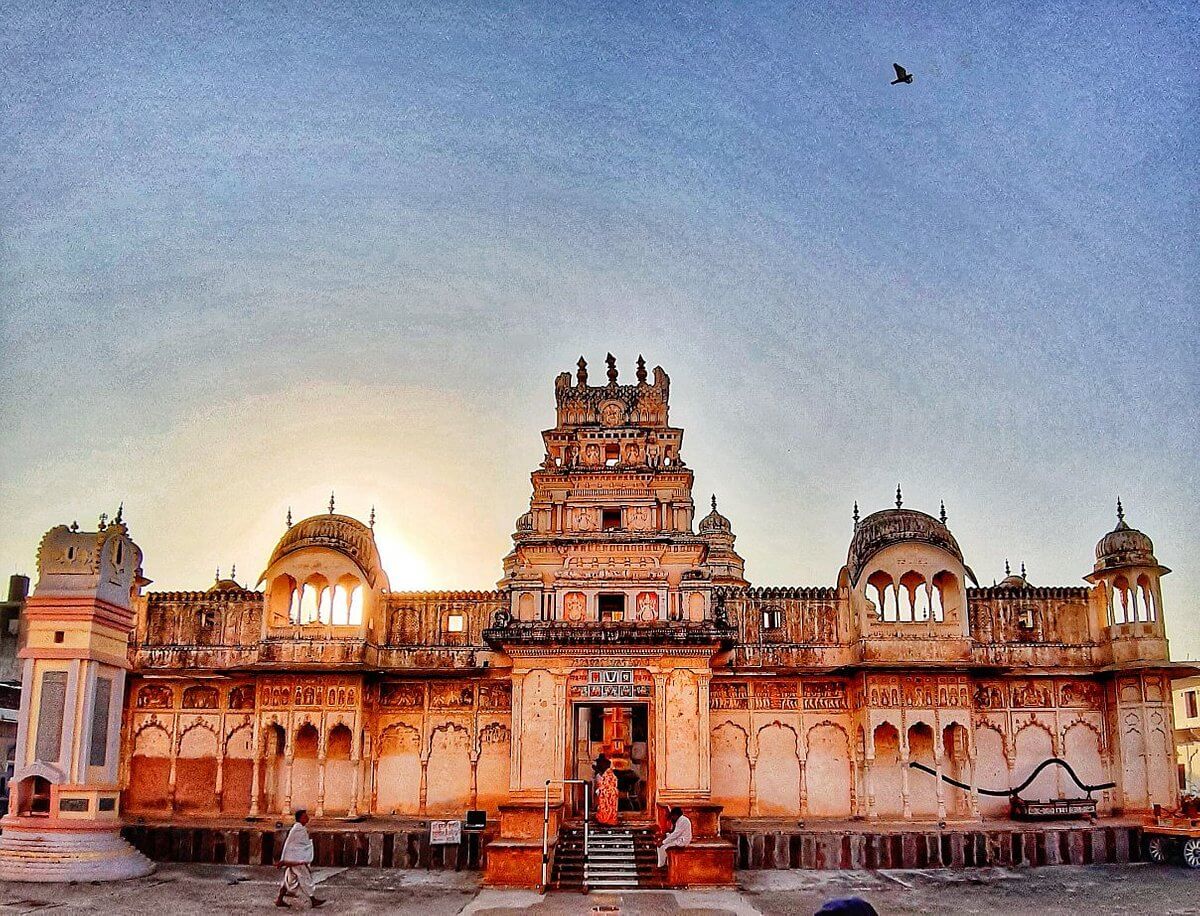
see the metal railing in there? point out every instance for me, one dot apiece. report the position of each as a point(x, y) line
point(546, 822)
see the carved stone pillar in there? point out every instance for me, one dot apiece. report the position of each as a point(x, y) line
point(320, 812)
point(939, 787)
point(255, 767)
point(973, 795)
point(288, 760)
point(474, 780)
point(220, 786)
point(872, 814)
point(904, 791)
point(424, 784)
point(804, 787)
point(171, 774)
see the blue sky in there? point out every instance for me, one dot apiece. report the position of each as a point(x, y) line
point(254, 253)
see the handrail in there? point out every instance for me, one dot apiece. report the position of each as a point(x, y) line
point(546, 824)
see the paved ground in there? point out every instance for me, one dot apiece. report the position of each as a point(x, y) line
point(185, 890)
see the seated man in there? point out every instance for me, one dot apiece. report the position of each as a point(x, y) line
point(680, 835)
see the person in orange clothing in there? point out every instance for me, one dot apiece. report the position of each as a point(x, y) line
point(607, 794)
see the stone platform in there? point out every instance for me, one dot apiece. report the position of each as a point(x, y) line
point(763, 843)
point(43, 855)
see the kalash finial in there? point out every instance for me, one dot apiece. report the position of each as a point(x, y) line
point(581, 374)
point(612, 368)
point(641, 370)
point(1022, 569)
point(1120, 512)
point(103, 520)
point(714, 502)
point(855, 514)
point(1007, 569)
point(331, 502)
point(75, 525)
point(289, 517)
point(233, 572)
point(217, 575)
point(120, 512)
point(372, 519)
point(899, 497)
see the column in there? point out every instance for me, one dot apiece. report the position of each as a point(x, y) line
point(904, 793)
point(804, 787)
point(255, 766)
point(288, 760)
point(424, 783)
point(355, 770)
point(973, 795)
point(174, 757)
point(705, 729)
point(220, 793)
point(939, 786)
point(474, 781)
point(872, 814)
point(320, 812)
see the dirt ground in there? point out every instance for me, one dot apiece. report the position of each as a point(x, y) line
point(184, 890)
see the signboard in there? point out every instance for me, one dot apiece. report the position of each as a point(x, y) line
point(445, 832)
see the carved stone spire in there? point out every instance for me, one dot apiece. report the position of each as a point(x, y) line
point(120, 513)
point(641, 370)
point(331, 502)
point(581, 374)
point(612, 368)
point(899, 497)
point(942, 513)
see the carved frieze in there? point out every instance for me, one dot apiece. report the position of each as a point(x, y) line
point(241, 697)
point(728, 695)
point(402, 696)
point(824, 695)
point(451, 696)
point(990, 695)
point(497, 696)
point(776, 695)
point(1080, 694)
point(1032, 695)
point(201, 697)
point(303, 692)
point(154, 696)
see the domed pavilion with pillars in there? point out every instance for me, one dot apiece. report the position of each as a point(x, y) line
point(901, 692)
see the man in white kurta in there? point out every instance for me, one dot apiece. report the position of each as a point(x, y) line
point(296, 861)
point(680, 835)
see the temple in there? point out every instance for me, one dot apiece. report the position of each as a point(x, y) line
point(894, 693)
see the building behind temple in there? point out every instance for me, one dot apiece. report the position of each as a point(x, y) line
point(622, 625)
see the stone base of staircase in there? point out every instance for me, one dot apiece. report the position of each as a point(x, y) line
point(61, 855)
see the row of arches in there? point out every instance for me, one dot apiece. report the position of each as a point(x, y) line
point(330, 778)
point(317, 601)
point(911, 598)
point(768, 772)
point(1131, 603)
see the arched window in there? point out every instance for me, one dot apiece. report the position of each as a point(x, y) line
point(881, 591)
point(914, 600)
point(1149, 611)
point(1120, 601)
point(308, 604)
point(945, 585)
point(325, 613)
point(294, 605)
point(341, 606)
point(356, 606)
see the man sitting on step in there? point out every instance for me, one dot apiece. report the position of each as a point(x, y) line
point(680, 835)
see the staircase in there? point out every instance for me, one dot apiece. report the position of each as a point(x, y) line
point(617, 858)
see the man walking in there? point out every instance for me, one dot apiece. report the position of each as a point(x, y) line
point(680, 835)
point(295, 859)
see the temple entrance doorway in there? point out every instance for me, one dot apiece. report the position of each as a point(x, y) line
point(620, 731)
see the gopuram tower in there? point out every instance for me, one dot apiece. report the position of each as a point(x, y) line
point(616, 613)
point(63, 820)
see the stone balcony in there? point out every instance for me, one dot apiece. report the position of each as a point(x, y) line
point(630, 633)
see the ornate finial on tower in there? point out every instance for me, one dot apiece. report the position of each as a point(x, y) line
point(899, 497)
point(1022, 569)
point(641, 370)
point(714, 502)
point(233, 572)
point(289, 517)
point(103, 520)
point(75, 526)
point(855, 516)
point(1120, 512)
point(331, 502)
point(1007, 569)
point(120, 512)
point(217, 575)
point(612, 368)
point(942, 513)
point(581, 375)
point(372, 519)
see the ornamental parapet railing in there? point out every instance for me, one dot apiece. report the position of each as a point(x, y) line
point(507, 632)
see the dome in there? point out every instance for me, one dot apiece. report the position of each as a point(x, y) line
point(342, 533)
point(1124, 546)
point(715, 522)
point(224, 585)
point(882, 529)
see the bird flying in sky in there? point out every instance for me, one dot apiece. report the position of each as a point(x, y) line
point(902, 75)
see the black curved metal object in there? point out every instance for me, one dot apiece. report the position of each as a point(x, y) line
point(1018, 789)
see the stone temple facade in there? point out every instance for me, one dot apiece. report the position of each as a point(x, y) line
point(623, 625)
